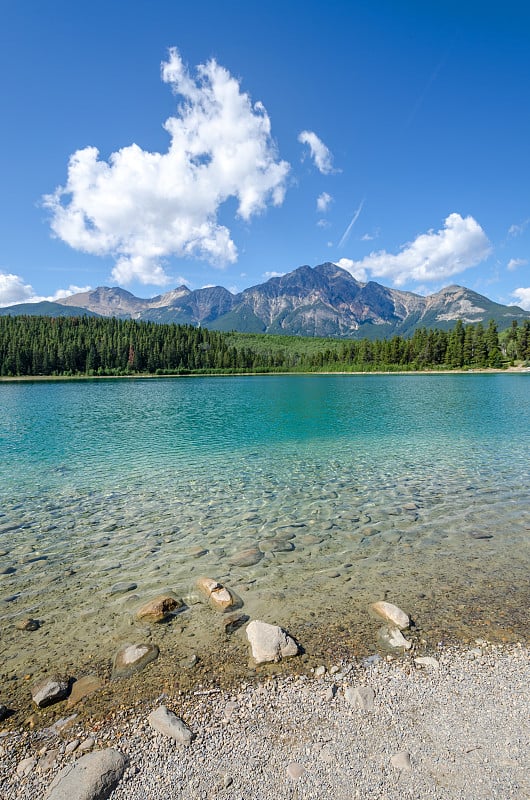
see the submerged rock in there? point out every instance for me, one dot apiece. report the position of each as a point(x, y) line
point(92, 777)
point(27, 624)
point(391, 613)
point(270, 642)
point(159, 608)
point(50, 690)
point(132, 658)
point(392, 639)
point(246, 558)
point(82, 688)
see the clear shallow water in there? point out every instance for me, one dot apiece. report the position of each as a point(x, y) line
point(351, 486)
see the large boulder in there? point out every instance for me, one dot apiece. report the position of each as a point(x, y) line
point(91, 777)
point(270, 642)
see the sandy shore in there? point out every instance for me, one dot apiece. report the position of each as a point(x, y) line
point(456, 729)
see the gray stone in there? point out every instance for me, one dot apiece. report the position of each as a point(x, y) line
point(269, 642)
point(246, 558)
point(123, 586)
point(360, 697)
point(167, 723)
point(26, 766)
point(4, 711)
point(27, 624)
point(132, 658)
point(401, 761)
point(92, 777)
point(159, 608)
point(295, 771)
point(427, 661)
point(50, 690)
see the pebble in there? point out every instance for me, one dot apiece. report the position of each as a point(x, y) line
point(91, 777)
point(50, 690)
point(360, 697)
point(27, 624)
point(167, 723)
point(295, 771)
point(391, 613)
point(269, 642)
point(132, 658)
point(159, 608)
point(26, 766)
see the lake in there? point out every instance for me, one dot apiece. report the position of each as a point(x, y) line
point(350, 489)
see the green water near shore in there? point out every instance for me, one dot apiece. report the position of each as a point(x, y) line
point(414, 487)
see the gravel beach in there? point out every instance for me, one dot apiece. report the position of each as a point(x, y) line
point(457, 726)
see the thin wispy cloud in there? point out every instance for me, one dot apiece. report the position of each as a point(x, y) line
point(515, 263)
point(320, 154)
point(142, 207)
point(518, 229)
point(346, 234)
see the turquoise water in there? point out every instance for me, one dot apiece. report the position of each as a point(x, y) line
point(350, 487)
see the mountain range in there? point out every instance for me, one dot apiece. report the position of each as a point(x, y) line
point(309, 301)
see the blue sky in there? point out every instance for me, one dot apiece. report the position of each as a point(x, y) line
point(149, 144)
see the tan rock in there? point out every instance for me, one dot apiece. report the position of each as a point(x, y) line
point(158, 609)
point(82, 688)
point(391, 613)
point(220, 598)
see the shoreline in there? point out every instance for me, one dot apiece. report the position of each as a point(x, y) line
point(452, 728)
point(151, 376)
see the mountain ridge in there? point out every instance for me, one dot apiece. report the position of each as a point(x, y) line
point(324, 300)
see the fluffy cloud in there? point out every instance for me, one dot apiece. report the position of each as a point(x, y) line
point(513, 263)
point(522, 298)
point(359, 273)
point(323, 202)
point(13, 289)
point(142, 207)
point(432, 256)
point(319, 152)
point(273, 274)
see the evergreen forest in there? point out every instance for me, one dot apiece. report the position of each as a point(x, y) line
point(96, 346)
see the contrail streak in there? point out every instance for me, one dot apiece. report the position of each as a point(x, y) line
point(354, 219)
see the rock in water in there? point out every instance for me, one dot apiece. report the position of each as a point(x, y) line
point(92, 777)
point(167, 723)
point(132, 658)
point(391, 613)
point(221, 598)
point(157, 609)
point(392, 639)
point(270, 642)
point(50, 690)
point(246, 558)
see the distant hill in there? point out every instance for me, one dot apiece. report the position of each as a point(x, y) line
point(321, 301)
point(46, 309)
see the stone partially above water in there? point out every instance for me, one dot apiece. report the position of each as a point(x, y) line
point(391, 613)
point(159, 608)
point(270, 642)
point(220, 598)
point(132, 658)
point(27, 624)
point(50, 690)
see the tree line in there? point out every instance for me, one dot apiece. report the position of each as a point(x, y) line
point(70, 346)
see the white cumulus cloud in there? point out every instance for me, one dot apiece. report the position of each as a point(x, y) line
point(13, 289)
point(320, 154)
point(273, 274)
point(522, 297)
point(323, 202)
point(513, 263)
point(359, 273)
point(432, 256)
point(142, 207)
